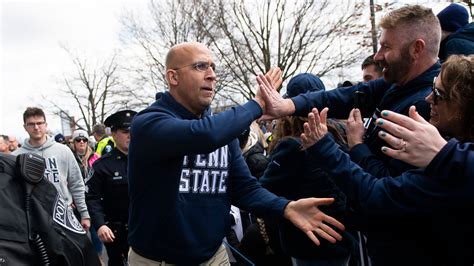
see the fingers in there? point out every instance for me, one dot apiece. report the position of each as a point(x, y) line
point(105, 234)
point(402, 120)
point(416, 116)
point(351, 118)
point(332, 221)
point(329, 234)
point(325, 235)
point(326, 232)
point(316, 120)
point(394, 153)
point(324, 116)
point(322, 201)
point(391, 140)
point(313, 238)
point(357, 115)
point(393, 127)
point(275, 76)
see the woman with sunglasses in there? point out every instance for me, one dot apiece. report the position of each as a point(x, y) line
point(85, 157)
point(84, 154)
point(436, 205)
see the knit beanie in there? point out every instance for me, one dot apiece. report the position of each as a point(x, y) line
point(303, 83)
point(453, 17)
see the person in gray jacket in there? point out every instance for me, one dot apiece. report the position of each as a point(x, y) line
point(61, 166)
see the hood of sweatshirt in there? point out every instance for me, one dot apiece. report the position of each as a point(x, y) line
point(49, 142)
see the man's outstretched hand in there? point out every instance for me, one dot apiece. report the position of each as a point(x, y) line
point(305, 215)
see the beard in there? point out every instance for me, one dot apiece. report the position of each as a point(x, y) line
point(395, 71)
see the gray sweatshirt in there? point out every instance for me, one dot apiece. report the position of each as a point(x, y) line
point(61, 170)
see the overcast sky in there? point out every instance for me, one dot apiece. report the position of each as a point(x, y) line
point(32, 59)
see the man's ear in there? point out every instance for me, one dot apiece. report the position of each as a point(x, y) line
point(172, 77)
point(417, 48)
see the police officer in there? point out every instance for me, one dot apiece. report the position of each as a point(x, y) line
point(107, 195)
point(105, 143)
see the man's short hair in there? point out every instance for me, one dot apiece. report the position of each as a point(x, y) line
point(417, 22)
point(370, 61)
point(33, 111)
point(98, 129)
point(5, 138)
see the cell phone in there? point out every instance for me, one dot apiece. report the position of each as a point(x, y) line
point(358, 99)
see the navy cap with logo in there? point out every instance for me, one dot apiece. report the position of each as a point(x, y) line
point(303, 83)
point(120, 120)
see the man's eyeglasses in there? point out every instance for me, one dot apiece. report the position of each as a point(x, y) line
point(437, 93)
point(33, 124)
point(200, 66)
point(81, 140)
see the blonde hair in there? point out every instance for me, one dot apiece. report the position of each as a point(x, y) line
point(417, 22)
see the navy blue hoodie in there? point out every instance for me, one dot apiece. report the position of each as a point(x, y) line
point(184, 173)
point(378, 95)
point(459, 42)
point(430, 207)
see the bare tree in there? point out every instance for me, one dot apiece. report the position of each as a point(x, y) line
point(94, 90)
point(169, 23)
point(249, 37)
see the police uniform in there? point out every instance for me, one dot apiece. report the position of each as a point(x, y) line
point(105, 145)
point(107, 195)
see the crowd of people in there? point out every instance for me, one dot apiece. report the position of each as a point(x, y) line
point(377, 172)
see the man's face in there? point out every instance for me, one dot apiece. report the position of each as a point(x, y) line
point(370, 73)
point(13, 143)
point(36, 127)
point(394, 56)
point(122, 139)
point(195, 79)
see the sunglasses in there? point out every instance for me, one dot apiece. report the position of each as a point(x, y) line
point(81, 140)
point(437, 93)
point(200, 66)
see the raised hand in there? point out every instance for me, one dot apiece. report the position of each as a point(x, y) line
point(354, 128)
point(274, 74)
point(305, 215)
point(413, 139)
point(315, 128)
point(274, 106)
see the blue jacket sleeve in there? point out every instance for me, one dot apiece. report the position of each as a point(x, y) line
point(412, 192)
point(363, 156)
point(341, 100)
point(247, 193)
point(455, 159)
point(175, 136)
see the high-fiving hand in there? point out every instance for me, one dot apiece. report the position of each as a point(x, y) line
point(315, 128)
point(274, 106)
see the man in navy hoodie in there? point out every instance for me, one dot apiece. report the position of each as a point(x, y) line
point(408, 54)
point(186, 169)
